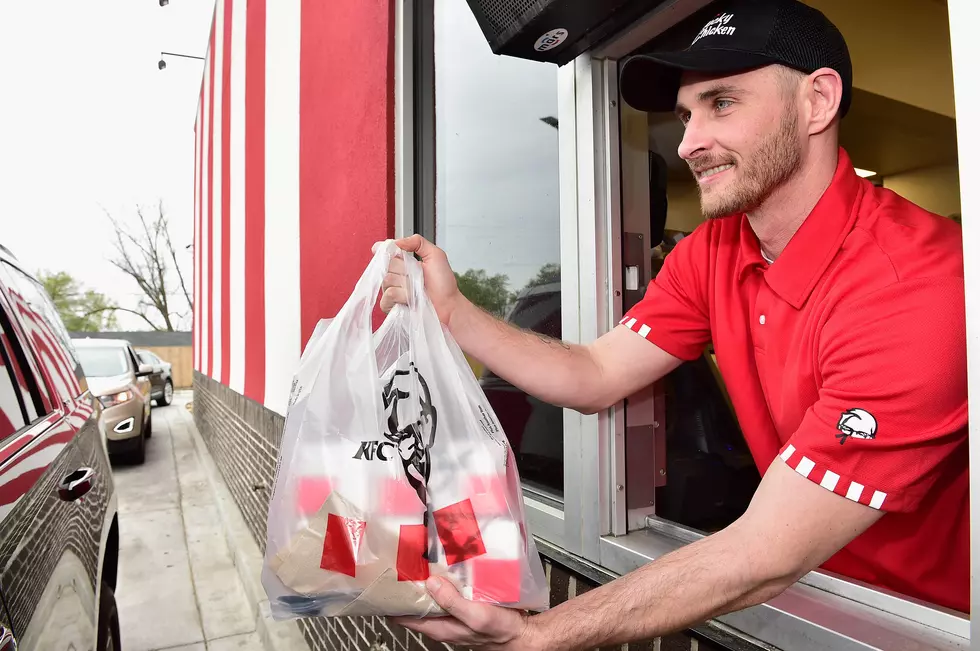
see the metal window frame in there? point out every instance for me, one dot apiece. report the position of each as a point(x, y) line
point(822, 610)
point(415, 183)
point(963, 14)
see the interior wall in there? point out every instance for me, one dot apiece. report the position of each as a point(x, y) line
point(683, 206)
point(936, 189)
point(899, 48)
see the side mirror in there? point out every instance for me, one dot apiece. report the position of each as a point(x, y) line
point(144, 370)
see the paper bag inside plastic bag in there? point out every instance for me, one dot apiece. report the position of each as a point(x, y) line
point(421, 481)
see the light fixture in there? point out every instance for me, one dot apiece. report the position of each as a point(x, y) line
point(864, 173)
point(162, 64)
point(164, 3)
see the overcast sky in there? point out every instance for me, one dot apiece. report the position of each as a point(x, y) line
point(87, 120)
point(497, 162)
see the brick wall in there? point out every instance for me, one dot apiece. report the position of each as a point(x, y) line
point(243, 438)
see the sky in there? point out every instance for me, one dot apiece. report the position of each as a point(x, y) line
point(497, 199)
point(88, 122)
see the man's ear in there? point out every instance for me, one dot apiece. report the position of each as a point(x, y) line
point(823, 94)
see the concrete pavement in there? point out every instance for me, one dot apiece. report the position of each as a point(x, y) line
point(179, 588)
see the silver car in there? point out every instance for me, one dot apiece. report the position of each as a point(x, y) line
point(122, 384)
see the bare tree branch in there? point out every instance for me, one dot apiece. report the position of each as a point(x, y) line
point(145, 256)
point(141, 315)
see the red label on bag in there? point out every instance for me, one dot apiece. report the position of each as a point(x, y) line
point(311, 493)
point(459, 532)
point(497, 580)
point(411, 562)
point(340, 544)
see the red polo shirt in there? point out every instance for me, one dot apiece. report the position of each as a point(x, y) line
point(846, 358)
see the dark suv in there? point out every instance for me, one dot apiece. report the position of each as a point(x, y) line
point(59, 536)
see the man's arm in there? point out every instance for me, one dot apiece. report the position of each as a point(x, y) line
point(791, 527)
point(587, 378)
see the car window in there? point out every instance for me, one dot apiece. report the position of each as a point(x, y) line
point(103, 361)
point(13, 405)
point(146, 358)
point(49, 339)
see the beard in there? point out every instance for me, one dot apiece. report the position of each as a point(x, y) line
point(773, 163)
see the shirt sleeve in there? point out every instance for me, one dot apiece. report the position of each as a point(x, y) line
point(891, 409)
point(673, 313)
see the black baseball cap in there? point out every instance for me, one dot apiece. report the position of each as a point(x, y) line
point(744, 34)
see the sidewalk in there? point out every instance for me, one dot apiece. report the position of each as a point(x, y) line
point(179, 587)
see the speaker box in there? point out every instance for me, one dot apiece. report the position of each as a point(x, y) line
point(554, 31)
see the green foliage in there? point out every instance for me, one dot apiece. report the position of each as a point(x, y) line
point(82, 310)
point(550, 273)
point(489, 292)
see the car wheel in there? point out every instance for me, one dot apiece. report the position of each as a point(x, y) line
point(168, 394)
point(108, 621)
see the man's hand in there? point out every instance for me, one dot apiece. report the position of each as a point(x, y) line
point(471, 624)
point(440, 282)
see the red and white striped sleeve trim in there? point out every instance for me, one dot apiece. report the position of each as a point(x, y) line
point(823, 475)
point(636, 326)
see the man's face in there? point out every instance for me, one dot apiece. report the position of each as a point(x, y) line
point(741, 136)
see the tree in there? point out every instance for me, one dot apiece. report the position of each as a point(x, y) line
point(489, 292)
point(81, 310)
point(549, 273)
point(147, 255)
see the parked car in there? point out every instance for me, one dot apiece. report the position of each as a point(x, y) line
point(58, 551)
point(122, 384)
point(161, 380)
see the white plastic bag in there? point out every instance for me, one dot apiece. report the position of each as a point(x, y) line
point(393, 467)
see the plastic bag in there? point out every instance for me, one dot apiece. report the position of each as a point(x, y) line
point(393, 467)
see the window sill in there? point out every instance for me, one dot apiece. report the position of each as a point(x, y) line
point(820, 612)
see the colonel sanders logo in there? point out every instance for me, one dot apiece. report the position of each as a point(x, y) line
point(856, 423)
point(411, 420)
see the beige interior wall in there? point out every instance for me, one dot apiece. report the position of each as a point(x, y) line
point(683, 206)
point(936, 189)
point(899, 48)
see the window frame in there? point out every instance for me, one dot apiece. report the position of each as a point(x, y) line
point(574, 524)
point(589, 533)
point(807, 615)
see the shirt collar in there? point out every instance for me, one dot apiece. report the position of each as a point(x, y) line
point(811, 249)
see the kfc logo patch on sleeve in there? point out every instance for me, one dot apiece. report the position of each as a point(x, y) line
point(856, 423)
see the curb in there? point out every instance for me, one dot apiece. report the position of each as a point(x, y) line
point(275, 635)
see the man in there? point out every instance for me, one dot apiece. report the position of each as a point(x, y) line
point(836, 310)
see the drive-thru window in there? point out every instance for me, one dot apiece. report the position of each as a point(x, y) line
point(557, 203)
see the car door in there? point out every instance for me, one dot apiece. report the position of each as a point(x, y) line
point(54, 480)
point(156, 380)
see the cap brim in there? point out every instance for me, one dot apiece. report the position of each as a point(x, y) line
point(649, 82)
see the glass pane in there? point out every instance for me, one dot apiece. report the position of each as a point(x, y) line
point(497, 210)
point(103, 362)
point(49, 338)
point(12, 416)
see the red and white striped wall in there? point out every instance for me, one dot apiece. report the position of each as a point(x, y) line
point(294, 179)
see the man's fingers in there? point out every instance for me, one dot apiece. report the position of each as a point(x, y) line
point(393, 296)
point(446, 595)
point(418, 244)
point(440, 629)
point(397, 266)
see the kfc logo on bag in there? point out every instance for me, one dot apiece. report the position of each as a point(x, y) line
point(411, 420)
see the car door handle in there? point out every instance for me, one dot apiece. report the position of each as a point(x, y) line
point(74, 486)
point(7, 641)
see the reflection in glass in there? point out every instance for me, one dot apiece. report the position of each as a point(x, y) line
point(497, 209)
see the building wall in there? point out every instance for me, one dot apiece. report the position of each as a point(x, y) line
point(294, 179)
point(244, 438)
